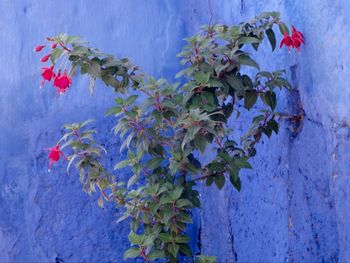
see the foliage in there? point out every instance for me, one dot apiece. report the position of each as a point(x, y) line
point(164, 127)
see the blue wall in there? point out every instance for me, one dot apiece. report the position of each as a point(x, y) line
point(294, 205)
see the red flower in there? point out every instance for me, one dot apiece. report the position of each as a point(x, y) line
point(62, 82)
point(45, 58)
point(54, 45)
point(39, 48)
point(287, 40)
point(297, 38)
point(54, 155)
point(47, 74)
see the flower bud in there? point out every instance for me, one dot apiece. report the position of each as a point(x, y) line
point(39, 48)
point(45, 58)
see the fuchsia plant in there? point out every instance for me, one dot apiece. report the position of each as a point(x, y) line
point(173, 124)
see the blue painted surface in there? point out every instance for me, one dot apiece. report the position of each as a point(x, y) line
point(294, 205)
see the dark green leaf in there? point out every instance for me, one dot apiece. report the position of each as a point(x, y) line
point(272, 38)
point(209, 181)
point(269, 98)
point(220, 181)
point(173, 249)
point(235, 180)
point(184, 203)
point(250, 98)
point(235, 83)
point(185, 249)
point(272, 124)
point(246, 60)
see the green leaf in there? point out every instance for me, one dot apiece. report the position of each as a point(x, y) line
point(200, 142)
point(248, 40)
point(267, 131)
point(243, 163)
point(202, 77)
point(184, 218)
point(154, 163)
point(56, 53)
point(119, 101)
point(130, 100)
point(235, 83)
point(272, 38)
point(185, 249)
point(166, 237)
point(122, 164)
point(246, 60)
point(283, 28)
point(156, 254)
point(207, 101)
point(272, 124)
point(114, 111)
point(269, 98)
point(94, 69)
point(234, 179)
point(173, 249)
point(180, 203)
point(182, 239)
point(165, 200)
point(176, 193)
point(132, 253)
point(135, 239)
point(132, 180)
point(209, 181)
point(220, 181)
point(250, 98)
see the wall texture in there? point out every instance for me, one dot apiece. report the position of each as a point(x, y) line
point(294, 205)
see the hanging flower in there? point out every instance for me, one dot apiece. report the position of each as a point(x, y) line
point(287, 41)
point(39, 48)
point(54, 155)
point(45, 58)
point(62, 82)
point(297, 38)
point(48, 74)
point(54, 45)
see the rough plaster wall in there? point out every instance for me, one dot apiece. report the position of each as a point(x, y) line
point(294, 205)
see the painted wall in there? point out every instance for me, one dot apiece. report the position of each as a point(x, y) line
point(294, 205)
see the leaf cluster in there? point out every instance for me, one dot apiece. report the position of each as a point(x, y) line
point(165, 127)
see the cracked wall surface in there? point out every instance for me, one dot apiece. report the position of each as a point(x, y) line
point(294, 205)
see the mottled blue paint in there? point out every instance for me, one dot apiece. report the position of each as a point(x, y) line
point(294, 205)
